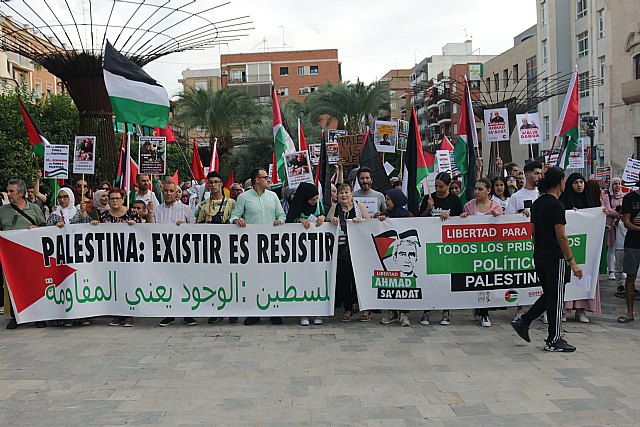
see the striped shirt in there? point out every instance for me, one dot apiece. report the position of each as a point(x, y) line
point(178, 211)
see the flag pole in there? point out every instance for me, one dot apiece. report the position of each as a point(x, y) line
point(127, 178)
point(185, 158)
point(299, 134)
point(531, 151)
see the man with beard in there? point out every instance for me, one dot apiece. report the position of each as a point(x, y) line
point(366, 180)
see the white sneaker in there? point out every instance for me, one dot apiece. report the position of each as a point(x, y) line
point(304, 321)
point(484, 321)
point(564, 317)
point(624, 276)
point(317, 320)
point(581, 316)
point(444, 320)
point(404, 319)
point(425, 318)
point(545, 320)
point(612, 276)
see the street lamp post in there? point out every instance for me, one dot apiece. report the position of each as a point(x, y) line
point(589, 126)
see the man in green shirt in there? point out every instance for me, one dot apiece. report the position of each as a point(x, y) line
point(258, 206)
point(19, 214)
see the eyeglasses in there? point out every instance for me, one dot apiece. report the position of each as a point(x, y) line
point(113, 199)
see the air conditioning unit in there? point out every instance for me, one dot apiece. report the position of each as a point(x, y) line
point(225, 73)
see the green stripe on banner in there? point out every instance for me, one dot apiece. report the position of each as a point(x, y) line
point(482, 257)
point(131, 111)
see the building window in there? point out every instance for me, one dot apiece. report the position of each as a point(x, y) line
point(636, 64)
point(313, 88)
point(284, 71)
point(303, 90)
point(455, 129)
point(505, 78)
point(582, 116)
point(545, 86)
point(393, 106)
point(601, 66)
point(543, 13)
point(201, 85)
point(581, 8)
point(238, 76)
point(474, 84)
point(637, 140)
point(601, 23)
point(583, 44)
point(455, 108)
point(488, 84)
point(392, 94)
point(496, 81)
point(301, 70)
point(601, 116)
point(313, 70)
point(544, 51)
point(38, 88)
point(546, 126)
point(515, 73)
point(283, 91)
point(583, 84)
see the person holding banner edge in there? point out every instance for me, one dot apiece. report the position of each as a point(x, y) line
point(551, 253)
point(258, 205)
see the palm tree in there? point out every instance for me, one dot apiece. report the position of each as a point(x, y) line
point(220, 113)
point(352, 105)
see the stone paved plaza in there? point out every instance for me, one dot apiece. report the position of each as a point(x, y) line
point(363, 374)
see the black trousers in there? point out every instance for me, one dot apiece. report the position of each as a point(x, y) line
point(552, 275)
point(346, 283)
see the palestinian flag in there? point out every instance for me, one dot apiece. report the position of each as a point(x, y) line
point(323, 180)
point(34, 133)
point(132, 168)
point(135, 96)
point(464, 152)
point(281, 140)
point(416, 167)
point(568, 122)
point(384, 243)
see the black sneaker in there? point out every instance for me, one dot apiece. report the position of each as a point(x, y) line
point(213, 320)
point(12, 324)
point(190, 321)
point(521, 329)
point(251, 320)
point(167, 321)
point(41, 324)
point(276, 320)
point(559, 345)
point(233, 320)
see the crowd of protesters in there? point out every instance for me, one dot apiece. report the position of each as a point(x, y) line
point(510, 191)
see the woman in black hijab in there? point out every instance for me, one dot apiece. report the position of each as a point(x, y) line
point(396, 202)
point(302, 209)
point(574, 195)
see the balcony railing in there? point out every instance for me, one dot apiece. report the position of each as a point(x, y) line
point(20, 60)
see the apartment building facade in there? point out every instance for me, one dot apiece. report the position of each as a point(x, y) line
point(397, 82)
point(295, 74)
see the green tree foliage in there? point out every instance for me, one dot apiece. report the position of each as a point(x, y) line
point(352, 105)
point(57, 117)
point(220, 113)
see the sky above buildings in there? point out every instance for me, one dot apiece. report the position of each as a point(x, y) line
point(371, 36)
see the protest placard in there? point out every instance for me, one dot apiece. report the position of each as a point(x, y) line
point(496, 124)
point(528, 130)
point(84, 151)
point(385, 136)
point(56, 161)
point(152, 156)
point(298, 168)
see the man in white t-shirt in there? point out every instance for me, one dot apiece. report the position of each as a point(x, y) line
point(521, 200)
point(145, 191)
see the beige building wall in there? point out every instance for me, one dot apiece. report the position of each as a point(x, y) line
point(622, 84)
point(512, 65)
point(398, 83)
point(202, 79)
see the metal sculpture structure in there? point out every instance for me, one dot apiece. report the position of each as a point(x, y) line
point(67, 37)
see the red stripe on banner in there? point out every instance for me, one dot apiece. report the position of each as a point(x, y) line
point(28, 285)
point(486, 233)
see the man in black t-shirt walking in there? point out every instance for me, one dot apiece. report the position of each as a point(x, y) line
point(631, 219)
point(551, 248)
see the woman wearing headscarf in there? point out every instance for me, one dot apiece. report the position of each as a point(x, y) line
point(302, 209)
point(66, 212)
point(395, 202)
point(100, 204)
point(576, 196)
point(613, 203)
